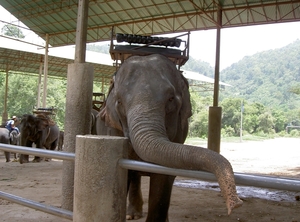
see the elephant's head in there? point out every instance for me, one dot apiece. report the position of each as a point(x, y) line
point(150, 103)
point(14, 137)
point(31, 125)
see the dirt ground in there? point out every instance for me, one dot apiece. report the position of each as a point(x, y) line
point(192, 200)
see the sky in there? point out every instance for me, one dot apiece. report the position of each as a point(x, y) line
point(236, 43)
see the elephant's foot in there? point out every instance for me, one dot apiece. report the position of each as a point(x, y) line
point(7, 161)
point(36, 160)
point(133, 214)
point(23, 161)
point(133, 217)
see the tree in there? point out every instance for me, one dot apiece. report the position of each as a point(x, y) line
point(13, 31)
point(266, 123)
point(231, 117)
point(295, 89)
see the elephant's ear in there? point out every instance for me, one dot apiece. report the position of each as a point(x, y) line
point(108, 112)
point(186, 108)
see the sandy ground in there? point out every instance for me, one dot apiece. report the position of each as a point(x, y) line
point(192, 200)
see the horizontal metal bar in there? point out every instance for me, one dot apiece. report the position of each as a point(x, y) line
point(241, 179)
point(38, 206)
point(38, 152)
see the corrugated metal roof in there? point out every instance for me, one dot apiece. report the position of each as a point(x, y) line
point(146, 17)
point(29, 59)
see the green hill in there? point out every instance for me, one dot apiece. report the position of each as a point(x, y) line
point(266, 77)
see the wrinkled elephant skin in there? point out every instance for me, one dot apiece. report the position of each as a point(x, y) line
point(40, 130)
point(150, 103)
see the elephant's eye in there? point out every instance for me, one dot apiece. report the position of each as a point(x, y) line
point(171, 99)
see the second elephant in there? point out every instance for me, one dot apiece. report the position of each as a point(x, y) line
point(39, 129)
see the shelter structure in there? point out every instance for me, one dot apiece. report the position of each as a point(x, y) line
point(78, 22)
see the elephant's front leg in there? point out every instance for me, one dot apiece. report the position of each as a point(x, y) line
point(7, 156)
point(159, 197)
point(135, 198)
point(23, 157)
point(39, 145)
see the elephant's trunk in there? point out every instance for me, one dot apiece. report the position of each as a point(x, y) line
point(151, 144)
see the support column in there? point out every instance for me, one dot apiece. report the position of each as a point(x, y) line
point(5, 114)
point(214, 128)
point(100, 185)
point(45, 72)
point(39, 85)
point(77, 120)
point(78, 102)
point(215, 112)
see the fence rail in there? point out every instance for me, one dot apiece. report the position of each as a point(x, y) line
point(38, 152)
point(241, 179)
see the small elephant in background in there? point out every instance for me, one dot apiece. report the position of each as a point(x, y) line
point(39, 129)
point(93, 123)
point(61, 140)
point(12, 138)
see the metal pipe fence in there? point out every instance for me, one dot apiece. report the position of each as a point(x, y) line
point(38, 152)
point(241, 179)
point(30, 203)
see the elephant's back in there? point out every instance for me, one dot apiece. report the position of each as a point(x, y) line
point(4, 135)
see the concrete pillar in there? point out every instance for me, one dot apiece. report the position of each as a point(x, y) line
point(45, 84)
point(100, 186)
point(4, 114)
point(77, 120)
point(214, 128)
point(215, 112)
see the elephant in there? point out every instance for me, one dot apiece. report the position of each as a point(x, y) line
point(9, 138)
point(39, 129)
point(61, 140)
point(149, 103)
point(93, 123)
point(94, 114)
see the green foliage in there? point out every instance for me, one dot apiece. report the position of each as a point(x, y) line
point(267, 77)
point(199, 66)
point(295, 133)
point(22, 95)
point(295, 89)
point(23, 90)
point(266, 123)
point(13, 31)
point(103, 48)
point(228, 131)
point(199, 121)
point(231, 112)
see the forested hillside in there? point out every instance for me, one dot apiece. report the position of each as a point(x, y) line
point(267, 78)
point(265, 86)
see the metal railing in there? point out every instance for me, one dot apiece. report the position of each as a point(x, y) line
point(241, 179)
point(30, 203)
